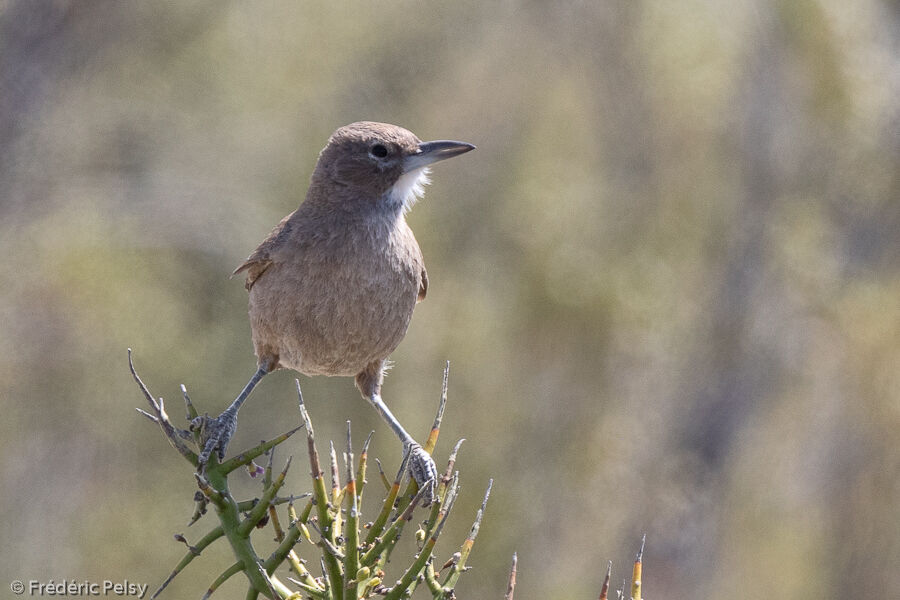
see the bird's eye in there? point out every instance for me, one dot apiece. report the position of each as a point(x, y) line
point(378, 151)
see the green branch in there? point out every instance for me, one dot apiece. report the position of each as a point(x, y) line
point(352, 568)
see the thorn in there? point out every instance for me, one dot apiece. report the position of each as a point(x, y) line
point(365, 447)
point(456, 448)
point(335, 475)
point(480, 514)
point(451, 462)
point(287, 465)
point(449, 500)
point(511, 585)
point(148, 415)
point(188, 405)
point(348, 457)
point(487, 493)
point(604, 590)
point(270, 458)
point(636, 572)
point(384, 479)
point(439, 417)
point(303, 413)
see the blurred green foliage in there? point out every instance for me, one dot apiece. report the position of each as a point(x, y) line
point(667, 280)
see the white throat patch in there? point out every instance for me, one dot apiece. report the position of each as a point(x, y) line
point(409, 188)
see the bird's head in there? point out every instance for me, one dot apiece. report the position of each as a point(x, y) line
point(381, 163)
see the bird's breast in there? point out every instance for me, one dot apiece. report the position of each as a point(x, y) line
point(335, 306)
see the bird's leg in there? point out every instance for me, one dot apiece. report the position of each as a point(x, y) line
point(215, 433)
point(421, 465)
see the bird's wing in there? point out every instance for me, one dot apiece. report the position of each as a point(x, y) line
point(423, 286)
point(262, 258)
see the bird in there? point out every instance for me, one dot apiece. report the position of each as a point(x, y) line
point(334, 285)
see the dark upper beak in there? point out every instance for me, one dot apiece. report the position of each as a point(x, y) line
point(432, 152)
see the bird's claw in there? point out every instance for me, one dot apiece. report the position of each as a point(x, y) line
point(215, 433)
point(423, 470)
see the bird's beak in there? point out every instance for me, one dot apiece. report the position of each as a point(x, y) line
point(432, 152)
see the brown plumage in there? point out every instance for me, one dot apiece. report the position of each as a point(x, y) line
point(334, 285)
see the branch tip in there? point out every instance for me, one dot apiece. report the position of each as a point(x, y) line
point(287, 465)
point(175, 435)
point(348, 457)
point(487, 493)
point(335, 475)
point(365, 447)
point(448, 501)
point(304, 414)
point(473, 533)
point(456, 448)
point(146, 414)
point(443, 402)
point(511, 584)
point(190, 411)
point(604, 589)
point(384, 479)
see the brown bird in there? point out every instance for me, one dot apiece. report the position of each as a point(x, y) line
point(333, 286)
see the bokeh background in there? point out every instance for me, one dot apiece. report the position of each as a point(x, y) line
point(668, 280)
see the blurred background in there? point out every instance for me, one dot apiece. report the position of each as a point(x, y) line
point(667, 280)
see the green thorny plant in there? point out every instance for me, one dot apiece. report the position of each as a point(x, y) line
point(353, 555)
point(352, 566)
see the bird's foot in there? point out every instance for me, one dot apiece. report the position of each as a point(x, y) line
point(215, 433)
point(423, 470)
